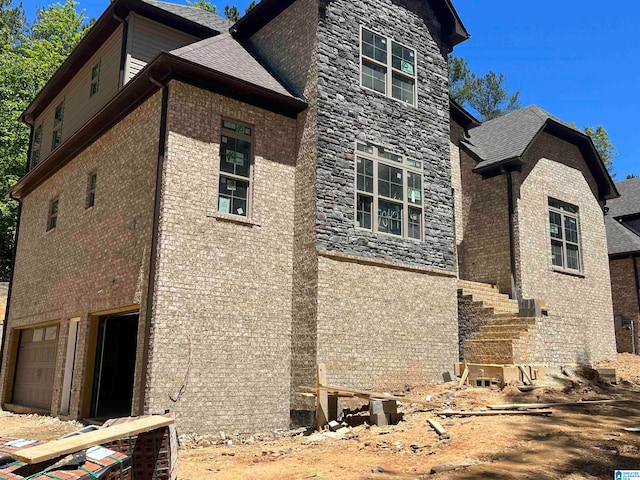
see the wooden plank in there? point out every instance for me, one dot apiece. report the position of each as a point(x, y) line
point(57, 448)
point(463, 379)
point(512, 406)
point(496, 412)
point(525, 376)
point(358, 393)
point(322, 397)
point(632, 429)
point(437, 426)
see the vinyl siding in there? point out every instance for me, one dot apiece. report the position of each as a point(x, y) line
point(79, 105)
point(148, 38)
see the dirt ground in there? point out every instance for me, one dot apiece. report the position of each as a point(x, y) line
point(574, 443)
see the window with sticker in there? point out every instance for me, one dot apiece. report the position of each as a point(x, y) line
point(236, 160)
point(389, 192)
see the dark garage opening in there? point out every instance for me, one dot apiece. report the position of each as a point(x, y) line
point(114, 366)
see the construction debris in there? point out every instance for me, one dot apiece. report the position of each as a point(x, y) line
point(512, 406)
point(493, 412)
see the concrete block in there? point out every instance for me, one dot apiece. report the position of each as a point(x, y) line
point(378, 407)
point(381, 420)
point(449, 376)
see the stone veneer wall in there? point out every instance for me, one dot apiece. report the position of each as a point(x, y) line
point(297, 27)
point(580, 323)
point(347, 112)
point(223, 295)
point(625, 299)
point(384, 328)
point(457, 133)
point(94, 260)
point(483, 252)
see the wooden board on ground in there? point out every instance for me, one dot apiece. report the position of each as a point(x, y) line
point(525, 376)
point(437, 426)
point(632, 429)
point(512, 406)
point(57, 448)
point(496, 412)
point(463, 379)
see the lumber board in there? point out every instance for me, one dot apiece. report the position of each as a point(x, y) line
point(632, 429)
point(437, 426)
point(322, 397)
point(57, 448)
point(525, 376)
point(512, 406)
point(463, 379)
point(496, 412)
point(358, 393)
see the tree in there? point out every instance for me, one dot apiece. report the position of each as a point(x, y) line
point(487, 95)
point(204, 5)
point(250, 6)
point(28, 57)
point(605, 148)
point(232, 13)
point(630, 176)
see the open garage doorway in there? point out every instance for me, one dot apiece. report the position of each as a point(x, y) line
point(114, 366)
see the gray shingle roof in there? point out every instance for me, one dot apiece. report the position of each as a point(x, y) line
point(619, 238)
point(194, 14)
point(629, 201)
point(225, 54)
point(507, 137)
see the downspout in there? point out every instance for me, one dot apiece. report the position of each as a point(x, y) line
point(634, 320)
point(123, 48)
point(5, 325)
point(512, 244)
point(162, 142)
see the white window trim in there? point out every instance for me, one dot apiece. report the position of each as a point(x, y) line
point(389, 68)
point(376, 197)
point(36, 147)
point(563, 214)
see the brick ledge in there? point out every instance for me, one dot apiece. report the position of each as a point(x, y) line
point(345, 257)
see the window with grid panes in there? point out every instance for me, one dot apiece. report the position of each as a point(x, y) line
point(236, 158)
point(388, 192)
point(36, 146)
point(90, 198)
point(565, 235)
point(95, 79)
point(58, 117)
point(387, 67)
point(52, 218)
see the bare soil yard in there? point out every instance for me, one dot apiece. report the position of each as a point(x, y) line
point(574, 443)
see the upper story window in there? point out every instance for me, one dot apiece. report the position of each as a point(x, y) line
point(236, 158)
point(565, 235)
point(90, 198)
point(387, 67)
point(36, 146)
point(52, 218)
point(389, 192)
point(58, 118)
point(95, 79)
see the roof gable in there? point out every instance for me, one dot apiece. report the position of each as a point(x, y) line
point(503, 142)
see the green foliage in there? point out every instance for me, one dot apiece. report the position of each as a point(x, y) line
point(204, 5)
point(603, 145)
point(487, 95)
point(630, 176)
point(28, 57)
point(250, 6)
point(232, 13)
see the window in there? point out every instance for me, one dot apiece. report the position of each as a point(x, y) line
point(52, 220)
point(387, 67)
point(95, 80)
point(57, 126)
point(388, 192)
point(235, 168)
point(36, 145)
point(565, 235)
point(90, 198)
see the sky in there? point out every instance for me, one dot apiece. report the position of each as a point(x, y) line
point(565, 56)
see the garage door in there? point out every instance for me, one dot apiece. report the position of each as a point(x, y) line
point(35, 367)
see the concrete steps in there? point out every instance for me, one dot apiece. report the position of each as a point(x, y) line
point(505, 338)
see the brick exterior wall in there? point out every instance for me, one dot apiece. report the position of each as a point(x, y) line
point(483, 251)
point(625, 300)
point(384, 328)
point(297, 27)
point(223, 295)
point(580, 323)
point(94, 260)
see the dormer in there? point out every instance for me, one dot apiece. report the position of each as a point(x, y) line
point(127, 36)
